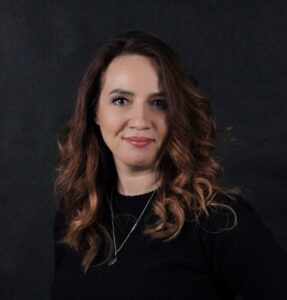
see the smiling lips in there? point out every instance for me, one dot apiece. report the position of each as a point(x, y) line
point(139, 141)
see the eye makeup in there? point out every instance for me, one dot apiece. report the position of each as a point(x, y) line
point(162, 104)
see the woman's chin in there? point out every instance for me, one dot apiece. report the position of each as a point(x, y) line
point(140, 164)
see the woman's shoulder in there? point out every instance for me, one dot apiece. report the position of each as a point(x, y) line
point(242, 249)
point(239, 202)
point(236, 224)
point(229, 212)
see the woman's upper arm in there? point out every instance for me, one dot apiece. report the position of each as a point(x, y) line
point(248, 258)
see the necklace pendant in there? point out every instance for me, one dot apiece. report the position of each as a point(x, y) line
point(112, 261)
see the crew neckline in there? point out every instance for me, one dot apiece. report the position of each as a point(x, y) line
point(138, 196)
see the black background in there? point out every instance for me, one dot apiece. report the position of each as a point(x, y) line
point(237, 51)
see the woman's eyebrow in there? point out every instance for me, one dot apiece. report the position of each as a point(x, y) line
point(128, 93)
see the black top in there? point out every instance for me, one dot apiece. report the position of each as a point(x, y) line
point(198, 264)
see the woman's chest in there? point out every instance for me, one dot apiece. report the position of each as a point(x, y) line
point(145, 269)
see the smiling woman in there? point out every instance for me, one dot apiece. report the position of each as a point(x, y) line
point(135, 128)
point(143, 213)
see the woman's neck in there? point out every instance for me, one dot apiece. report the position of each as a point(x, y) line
point(136, 184)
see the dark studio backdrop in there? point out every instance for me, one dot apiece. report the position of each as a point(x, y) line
point(237, 51)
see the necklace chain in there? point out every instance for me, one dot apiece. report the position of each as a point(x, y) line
point(113, 260)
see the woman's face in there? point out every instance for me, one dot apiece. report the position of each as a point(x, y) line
point(132, 107)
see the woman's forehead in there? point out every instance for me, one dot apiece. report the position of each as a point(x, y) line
point(131, 72)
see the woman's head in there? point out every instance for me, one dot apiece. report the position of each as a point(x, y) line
point(178, 120)
point(187, 115)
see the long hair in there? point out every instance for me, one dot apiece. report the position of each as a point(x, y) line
point(187, 168)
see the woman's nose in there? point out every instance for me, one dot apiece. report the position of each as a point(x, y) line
point(140, 117)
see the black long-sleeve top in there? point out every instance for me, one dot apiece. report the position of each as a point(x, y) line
point(198, 264)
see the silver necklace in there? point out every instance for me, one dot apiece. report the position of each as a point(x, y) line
point(116, 251)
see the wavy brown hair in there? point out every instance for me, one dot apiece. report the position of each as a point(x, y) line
point(187, 169)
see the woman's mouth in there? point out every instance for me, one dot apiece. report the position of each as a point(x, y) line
point(139, 141)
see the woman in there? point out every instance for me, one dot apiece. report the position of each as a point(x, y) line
point(143, 212)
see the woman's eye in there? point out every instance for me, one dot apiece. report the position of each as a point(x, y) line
point(160, 103)
point(119, 100)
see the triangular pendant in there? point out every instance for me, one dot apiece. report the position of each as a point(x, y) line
point(112, 261)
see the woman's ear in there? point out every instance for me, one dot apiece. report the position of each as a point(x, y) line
point(96, 114)
point(96, 119)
